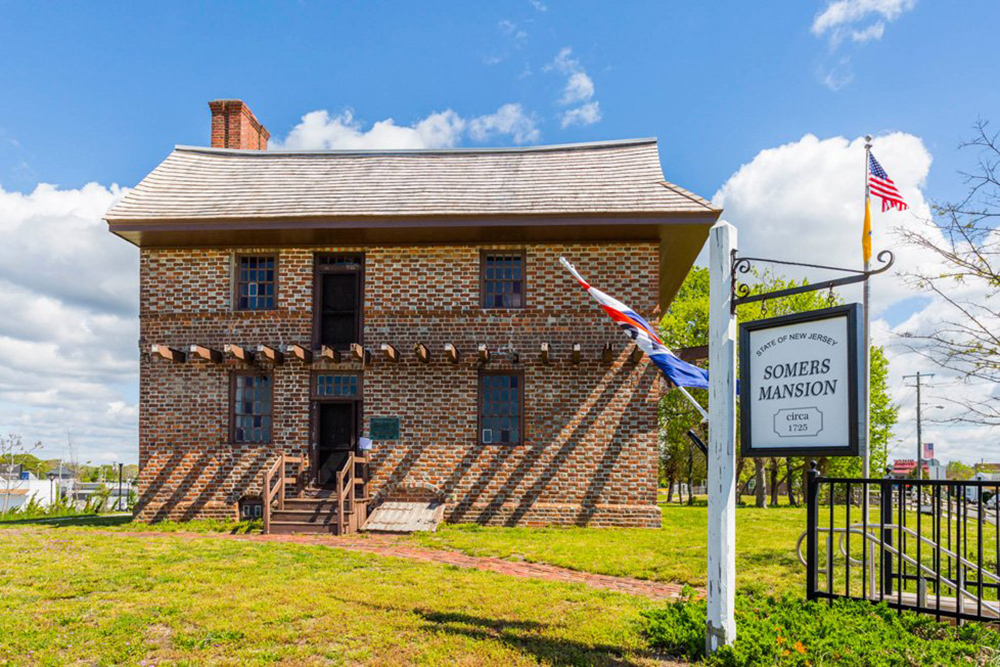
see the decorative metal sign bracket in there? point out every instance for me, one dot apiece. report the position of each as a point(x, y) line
point(741, 291)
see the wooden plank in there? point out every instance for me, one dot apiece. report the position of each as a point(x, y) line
point(206, 353)
point(484, 353)
point(422, 354)
point(577, 354)
point(391, 353)
point(636, 355)
point(329, 354)
point(270, 354)
point(451, 352)
point(168, 353)
point(360, 353)
point(693, 354)
point(544, 353)
point(607, 354)
point(240, 353)
point(299, 352)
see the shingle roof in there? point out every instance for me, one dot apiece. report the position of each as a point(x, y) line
point(617, 177)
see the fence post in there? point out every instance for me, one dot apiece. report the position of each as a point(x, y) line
point(885, 507)
point(812, 529)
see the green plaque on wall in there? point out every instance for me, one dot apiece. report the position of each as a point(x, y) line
point(385, 428)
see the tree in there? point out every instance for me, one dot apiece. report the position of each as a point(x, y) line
point(12, 451)
point(686, 324)
point(958, 471)
point(965, 239)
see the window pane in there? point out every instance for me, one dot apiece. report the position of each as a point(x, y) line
point(500, 409)
point(256, 278)
point(252, 409)
point(503, 281)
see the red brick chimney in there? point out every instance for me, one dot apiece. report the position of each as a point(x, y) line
point(235, 126)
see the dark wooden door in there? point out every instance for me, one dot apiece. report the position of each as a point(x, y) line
point(340, 300)
point(337, 438)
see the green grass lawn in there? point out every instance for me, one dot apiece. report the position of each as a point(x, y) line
point(82, 597)
point(765, 547)
point(84, 591)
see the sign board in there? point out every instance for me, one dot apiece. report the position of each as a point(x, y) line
point(800, 384)
point(384, 428)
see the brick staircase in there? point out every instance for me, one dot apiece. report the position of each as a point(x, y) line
point(290, 506)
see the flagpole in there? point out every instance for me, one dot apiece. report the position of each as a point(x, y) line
point(866, 458)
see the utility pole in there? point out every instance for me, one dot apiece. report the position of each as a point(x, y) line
point(920, 440)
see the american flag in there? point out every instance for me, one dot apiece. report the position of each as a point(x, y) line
point(882, 186)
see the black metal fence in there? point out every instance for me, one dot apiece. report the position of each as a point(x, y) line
point(925, 545)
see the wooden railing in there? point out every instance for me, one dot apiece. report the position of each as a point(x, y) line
point(345, 489)
point(272, 491)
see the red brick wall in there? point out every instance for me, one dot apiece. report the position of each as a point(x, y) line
point(589, 450)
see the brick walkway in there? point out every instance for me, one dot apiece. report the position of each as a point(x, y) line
point(395, 546)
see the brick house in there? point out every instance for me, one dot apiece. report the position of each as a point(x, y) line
point(295, 302)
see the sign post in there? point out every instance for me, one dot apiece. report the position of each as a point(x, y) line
point(721, 622)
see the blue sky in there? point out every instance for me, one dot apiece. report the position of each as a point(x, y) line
point(99, 93)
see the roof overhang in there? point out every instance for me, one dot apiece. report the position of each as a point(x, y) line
point(680, 235)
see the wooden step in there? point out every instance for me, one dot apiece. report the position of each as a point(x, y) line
point(306, 516)
point(289, 527)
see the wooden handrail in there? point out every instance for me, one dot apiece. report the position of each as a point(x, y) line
point(272, 490)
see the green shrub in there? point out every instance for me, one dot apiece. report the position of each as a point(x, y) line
point(793, 631)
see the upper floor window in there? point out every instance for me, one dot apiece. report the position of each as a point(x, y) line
point(501, 408)
point(338, 300)
point(502, 279)
point(256, 282)
point(251, 408)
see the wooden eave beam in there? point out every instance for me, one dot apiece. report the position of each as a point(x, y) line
point(544, 353)
point(422, 353)
point(206, 353)
point(636, 355)
point(270, 354)
point(360, 353)
point(484, 353)
point(302, 354)
point(451, 352)
point(693, 354)
point(241, 353)
point(607, 354)
point(168, 353)
point(330, 354)
point(391, 353)
point(576, 353)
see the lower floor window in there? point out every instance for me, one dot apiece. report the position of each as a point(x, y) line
point(501, 408)
point(251, 408)
point(251, 508)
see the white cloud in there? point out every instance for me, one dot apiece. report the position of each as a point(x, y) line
point(513, 39)
point(843, 14)
point(69, 291)
point(539, 5)
point(578, 89)
point(803, 201)
point(318, 130)
point(862, 21)
point(874, 31)
point(511, 120)
point(588, 114)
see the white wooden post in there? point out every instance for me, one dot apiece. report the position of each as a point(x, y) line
point(721, 625)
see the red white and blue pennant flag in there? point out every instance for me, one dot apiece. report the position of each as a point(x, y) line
point(639, 330)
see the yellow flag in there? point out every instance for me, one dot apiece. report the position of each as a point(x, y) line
point(866, 234)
